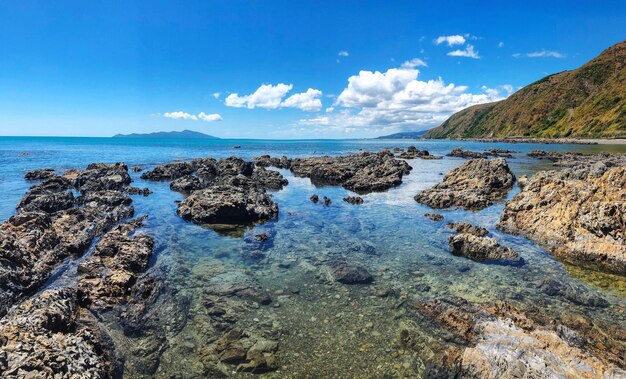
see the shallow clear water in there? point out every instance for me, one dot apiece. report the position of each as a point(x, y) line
point(332, 329)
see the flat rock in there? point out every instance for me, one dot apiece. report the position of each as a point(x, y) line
point(482, 249)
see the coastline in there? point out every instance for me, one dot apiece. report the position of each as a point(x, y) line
point(547, 141)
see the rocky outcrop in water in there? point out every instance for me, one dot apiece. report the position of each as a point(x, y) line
point(227, 205)
point(491, 152)
point(52, 225)
point(474, 185)
point(579, 215)
point(43, 173)
point(107, 276)
point(169, 171)
point(466, 227)
point(413, 153)
point(482, 249)
point(362, 173)
point(354, 200)
point(267, 161)
point(48, 336)
point(577, 160)
point(500, 341)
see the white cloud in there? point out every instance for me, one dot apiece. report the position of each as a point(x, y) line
point(307, 101)
point(343, 53)
point(266, 96)
point(397, 100)
point(415, 62)
point(450, 40)
point(469, 52)
point(541, 54)
point(209, 117)
point(180, 115)
point(216, 95)
point(501, 44)
point(270, 96)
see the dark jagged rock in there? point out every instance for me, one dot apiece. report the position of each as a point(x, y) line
point(577, 214)
point(482, 249)
point(169, 171)
point(466, 227)
point(578, 160)
point(434, 217)
point(474, 185)
point(327, 201)
point(136, 169)
point(186, 184)
point(46, 336)
point(100, 176)
point(460, 153)
point(227, 205)
point(43, 173)
point(350, 274)
point(412, 153)
point(267, 161)
point(50, 196)
point(269, 179)
point(363, 172)
point(314, 198)
point(107, 276)
point(138, 191)
point(354, 200)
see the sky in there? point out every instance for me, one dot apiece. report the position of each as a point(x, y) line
point(280, 69)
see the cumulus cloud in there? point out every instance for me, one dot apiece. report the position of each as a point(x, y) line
point(541, 54)
point(180, 115)
point(450, 40)
point(397, 100)
point(415, 62)
point(343, 53)
point(271, 96)
point(266, 96)
point(469, 52)
point(209, 117)
point(307, 101)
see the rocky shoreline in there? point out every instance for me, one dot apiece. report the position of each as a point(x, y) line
point(577, 213)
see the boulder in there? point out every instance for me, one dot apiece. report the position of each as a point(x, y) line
point(350, 274)
point(227, 205)
point(482, 249)
point(474, 185)
point(466, 227)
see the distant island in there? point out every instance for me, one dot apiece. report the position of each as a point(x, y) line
point(189, 134)
point(404, 135)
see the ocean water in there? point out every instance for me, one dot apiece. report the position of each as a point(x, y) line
point(324, 329)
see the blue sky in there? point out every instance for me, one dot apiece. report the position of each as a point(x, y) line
point(280, 69)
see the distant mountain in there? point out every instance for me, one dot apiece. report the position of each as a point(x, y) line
point(184, 134)
point(404, 135)
point(587, 102)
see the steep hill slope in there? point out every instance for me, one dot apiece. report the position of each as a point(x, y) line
point(587, 102)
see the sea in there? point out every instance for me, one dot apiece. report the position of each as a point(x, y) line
point(325, 328)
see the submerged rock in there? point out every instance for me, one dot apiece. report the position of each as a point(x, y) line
point(349, 274)
point(227, 205)
point(579, 217)
point(474, 185)
point(482, 249)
